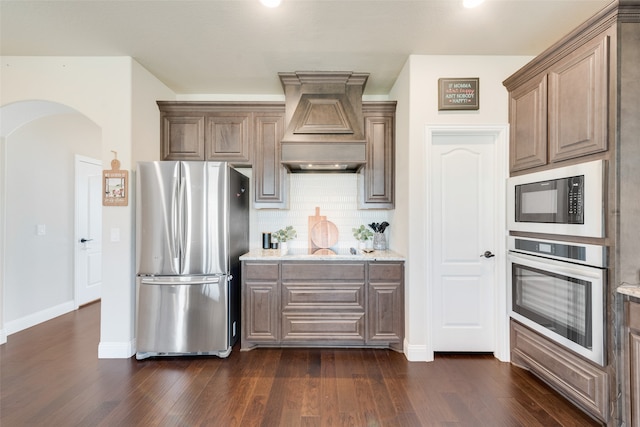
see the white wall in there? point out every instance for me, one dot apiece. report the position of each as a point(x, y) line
point(417, 93)
point(38, 274)
point(101, 88)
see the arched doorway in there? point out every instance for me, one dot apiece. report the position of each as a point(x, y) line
point(39, 142)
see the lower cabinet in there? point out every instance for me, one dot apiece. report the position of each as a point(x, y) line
point(385, 304)
point(633, 324)
point(330, 304)
point(260, 302)
point(583, 383)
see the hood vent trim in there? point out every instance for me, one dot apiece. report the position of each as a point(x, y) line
point(324, 121)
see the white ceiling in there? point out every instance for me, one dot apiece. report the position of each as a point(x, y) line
point(239, 46)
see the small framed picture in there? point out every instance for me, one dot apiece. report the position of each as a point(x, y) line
point(459, 93)
point(115, 191)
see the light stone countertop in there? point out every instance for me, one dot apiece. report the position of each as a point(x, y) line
point(303, 255)
point(631, 290)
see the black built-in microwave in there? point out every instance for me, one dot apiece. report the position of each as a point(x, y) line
point(567, 201)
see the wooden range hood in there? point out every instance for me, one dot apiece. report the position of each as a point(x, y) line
point(324, 123)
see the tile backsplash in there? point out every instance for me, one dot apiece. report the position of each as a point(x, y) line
point(337, 197)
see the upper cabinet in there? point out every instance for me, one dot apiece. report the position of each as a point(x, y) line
point(270, 177)
point(205, 131)
point(250, 134)
point(226, 137)
point(376, 180)
point(559, 110)
point(578, 102)
point(242, 133)
point(528, 124)
point(182, 136)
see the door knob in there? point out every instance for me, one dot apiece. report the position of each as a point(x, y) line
point(487, 254)
point(83, 240)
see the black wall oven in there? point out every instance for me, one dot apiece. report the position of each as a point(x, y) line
point(558, 290)
point(563, 201)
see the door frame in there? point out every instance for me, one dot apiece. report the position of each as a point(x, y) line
point(76, 231)
point(501, 316)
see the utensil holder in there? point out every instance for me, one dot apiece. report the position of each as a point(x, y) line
point(379, 242)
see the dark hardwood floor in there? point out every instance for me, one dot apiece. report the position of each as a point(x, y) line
point(51, 376)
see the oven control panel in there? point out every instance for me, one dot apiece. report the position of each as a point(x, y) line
point(581, 253)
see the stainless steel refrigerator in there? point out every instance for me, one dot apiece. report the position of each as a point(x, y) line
point(192, 225)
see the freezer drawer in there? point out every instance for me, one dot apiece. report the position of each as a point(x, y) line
point(183, 315)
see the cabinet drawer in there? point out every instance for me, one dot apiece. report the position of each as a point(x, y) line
point(634, 315)
point(260, 271)
point(322, 271)
point(323, 296)
point(323, 327)
point(579, 381)
point(386, 271)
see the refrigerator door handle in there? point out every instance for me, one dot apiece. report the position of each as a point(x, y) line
point(182, 206)
point(203, 281)
point(174, 244)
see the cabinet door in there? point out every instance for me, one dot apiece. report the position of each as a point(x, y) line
point(227, 138)
point(182, 137)
point(261, 316)
point(385, 303)
point(260, 303)
point(634, 343)
point(578, 100)
point(376, 178)
point(528, 120)
point(270, 177)
point(633, 320)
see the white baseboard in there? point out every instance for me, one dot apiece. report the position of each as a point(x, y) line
point(3, 337)
point(116, 350)
point(36, 318)
point(417, 353)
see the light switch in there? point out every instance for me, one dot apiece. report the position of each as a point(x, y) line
point(115, 234)
point(41, 229)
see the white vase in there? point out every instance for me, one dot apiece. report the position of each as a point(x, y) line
point(362, 244)
point(284, 248)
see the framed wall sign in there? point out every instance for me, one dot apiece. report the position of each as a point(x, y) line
point(459, 94)
point(115, 185)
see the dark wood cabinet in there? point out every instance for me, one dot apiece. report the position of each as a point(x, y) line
point(578, 102)
point(241, 133)
point(182, 137)
point(250, 134)
point(376, 180)
point(386, 304)
point(632, 310)
point(205, 131)
point(560, 110)
point(528, 125)
point(327, 303)
point(578, 380)
point(227, 137)
point(323, 303)
point(260, 302)
point(592, 114)
point(270, 177)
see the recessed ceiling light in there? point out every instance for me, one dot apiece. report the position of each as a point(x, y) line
point(471, 3)
point(271, 3)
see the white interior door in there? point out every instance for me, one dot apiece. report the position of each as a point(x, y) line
point(88, 268)
point(464, 217)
